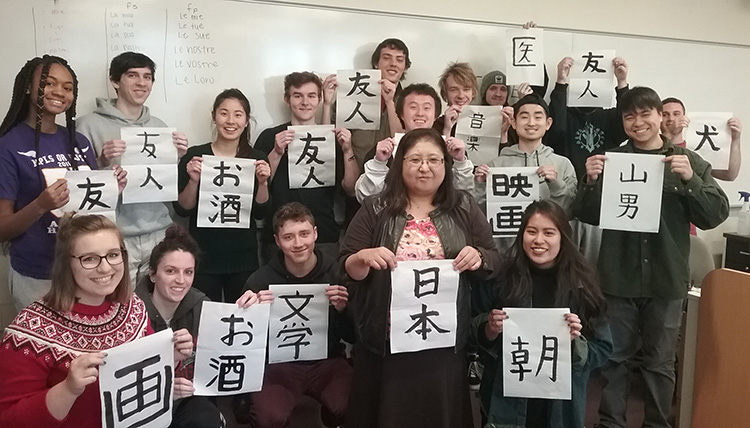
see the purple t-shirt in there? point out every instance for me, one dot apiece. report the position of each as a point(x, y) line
point(22, 180)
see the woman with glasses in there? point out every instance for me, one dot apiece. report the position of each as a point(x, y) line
point(419, 216)
point(51, 352)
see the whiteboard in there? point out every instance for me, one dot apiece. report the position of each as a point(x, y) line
point(203, 47)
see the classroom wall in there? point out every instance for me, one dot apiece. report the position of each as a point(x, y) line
point(722, 21)
point(697, 50)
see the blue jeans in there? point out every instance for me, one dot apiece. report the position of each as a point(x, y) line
point(656, 323)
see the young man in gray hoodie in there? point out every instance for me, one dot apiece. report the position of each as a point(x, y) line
point(142, 225)
point(557, 176)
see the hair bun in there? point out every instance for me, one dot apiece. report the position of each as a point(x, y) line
point(176, 231)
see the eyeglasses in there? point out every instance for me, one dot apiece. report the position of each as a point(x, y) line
point(416, 161)
point(92, 261)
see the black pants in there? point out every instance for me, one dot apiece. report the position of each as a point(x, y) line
point(226, 285)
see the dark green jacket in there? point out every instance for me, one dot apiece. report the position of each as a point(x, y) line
point(655, 265)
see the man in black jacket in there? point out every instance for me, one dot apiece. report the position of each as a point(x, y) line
point(326, 380)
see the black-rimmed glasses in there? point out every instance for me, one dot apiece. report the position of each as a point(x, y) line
point(92, 261)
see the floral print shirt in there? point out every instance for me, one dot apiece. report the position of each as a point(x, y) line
point(420, 241)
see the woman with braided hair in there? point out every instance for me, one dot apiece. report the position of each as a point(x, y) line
point(33, 149)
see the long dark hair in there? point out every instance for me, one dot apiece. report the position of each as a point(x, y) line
point(176, 238)
point(19, 104)
point(244, 150)
point(575, 274)
point(395, 194)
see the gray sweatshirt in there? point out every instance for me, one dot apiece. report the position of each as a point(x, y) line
point(103, 125)
point(561, 190)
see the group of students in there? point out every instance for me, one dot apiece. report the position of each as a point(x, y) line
point(421, 202)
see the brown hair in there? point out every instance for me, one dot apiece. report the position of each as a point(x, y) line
point(297, 79)
point(176, 238)
point(291, 211)
point(463, 75)
point(62, 294)
point(393, 44)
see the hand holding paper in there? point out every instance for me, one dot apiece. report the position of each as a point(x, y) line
point(456, 148)
point(282, 140)
point(469, 258)
point(621, 71)
point(574, 323)
point(56, 195)
point(180, 142)
point(183, 344)
point(112, 149)
point(494, 326)
point(183, 388)
point(385, 149)
point(250, 298)
point(194, 168)
point(329, 89)
point(262, 171)
point(121, 176)
point(563, 69)
point(338, 295)
point(83, 372)
point(594, 167)
point(480, 174)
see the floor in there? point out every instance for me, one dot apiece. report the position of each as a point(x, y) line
point(307, 413)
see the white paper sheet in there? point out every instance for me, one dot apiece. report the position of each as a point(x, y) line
point(230, 355)
point(312, 157)
point(298, 327)
point(631, 192)
point(481, 121)
point(509, 190)
point(225, 196)
point(150, 183)
point(480, 150)
point(536, 353)
point(148, 146)
point(423, 305)
point(136, 385)
point(524, 53)
point(358, 99)
point(712, 131)
point(92, 192)
point(591, 93)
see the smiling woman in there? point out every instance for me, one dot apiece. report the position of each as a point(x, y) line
point(544, 270)
point(419, 216)
point(172, 302)
point(231, 255)
point(31, 146)
point(49, 371)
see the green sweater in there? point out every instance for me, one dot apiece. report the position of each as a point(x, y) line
point(655, 265)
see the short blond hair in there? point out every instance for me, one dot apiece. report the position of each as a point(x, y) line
point(463, 74)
